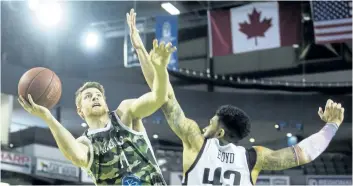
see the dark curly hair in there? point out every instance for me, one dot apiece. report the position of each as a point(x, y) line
point(234, 120)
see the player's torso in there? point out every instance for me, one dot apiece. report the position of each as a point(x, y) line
point(123, 156)
point(219, 165)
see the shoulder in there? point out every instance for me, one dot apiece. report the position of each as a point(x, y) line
point(125, 104)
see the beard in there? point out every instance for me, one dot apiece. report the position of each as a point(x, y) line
point(97, 111)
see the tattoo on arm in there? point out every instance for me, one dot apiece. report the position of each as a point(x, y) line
point(186, 129)
point(285, 158)
point(174, 114)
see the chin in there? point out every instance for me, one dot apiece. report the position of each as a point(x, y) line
point(99, 112)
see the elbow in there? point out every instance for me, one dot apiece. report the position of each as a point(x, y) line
point(79, 161)
point(160, 99)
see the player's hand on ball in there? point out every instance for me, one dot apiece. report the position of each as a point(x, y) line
point(334, 112)
point(160, 54)
point(134, 33)
point(33, 108)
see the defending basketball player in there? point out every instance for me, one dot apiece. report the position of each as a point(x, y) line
point(115, 150)
point(212, 157)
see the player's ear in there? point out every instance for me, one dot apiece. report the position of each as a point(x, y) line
point(80, 113)
point(220, 133)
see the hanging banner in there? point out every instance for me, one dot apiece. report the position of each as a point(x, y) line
point(329, 180)
point(57, 170)
point(273, 180)
point(16, 162)
point(167, 31)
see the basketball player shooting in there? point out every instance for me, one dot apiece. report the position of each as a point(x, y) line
point(115, 150)
point(212, 156)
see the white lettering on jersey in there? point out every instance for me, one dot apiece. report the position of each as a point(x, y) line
point(219, 165)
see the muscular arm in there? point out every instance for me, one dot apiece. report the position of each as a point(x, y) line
point(186, 129)
point(73, 150)
point(302, 153)
point(150, 102)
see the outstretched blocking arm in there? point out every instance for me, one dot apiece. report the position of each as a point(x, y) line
point(152, 101)
point(308, 149)
point(186, 129)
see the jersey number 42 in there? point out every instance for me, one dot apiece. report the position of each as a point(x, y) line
point(217, 175)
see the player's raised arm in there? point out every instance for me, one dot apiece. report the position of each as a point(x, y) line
point(308, 149)
point(73, 150)
point(186, 129)
point(152, 101)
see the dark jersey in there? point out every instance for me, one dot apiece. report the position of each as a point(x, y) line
point(121, 156)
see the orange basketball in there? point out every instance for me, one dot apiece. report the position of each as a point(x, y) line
point(42, 84)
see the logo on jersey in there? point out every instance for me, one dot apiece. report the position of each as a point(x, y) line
point(131, 180)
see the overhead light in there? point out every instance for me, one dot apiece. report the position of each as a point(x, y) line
point(170, 8)
point(295, 46)
point(289, 135)
point(92, 39)
point(155, 136)
point(276, 126)
point(83, 124)
point(252, 140)
point(49, 14)
point(33, 4)
point(11, 145)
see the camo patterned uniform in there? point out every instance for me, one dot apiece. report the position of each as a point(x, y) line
point(121, 156)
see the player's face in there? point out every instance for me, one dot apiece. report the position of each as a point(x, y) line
point(212, 130)
point(93, 103)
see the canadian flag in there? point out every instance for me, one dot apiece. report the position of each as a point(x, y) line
point(255, 26)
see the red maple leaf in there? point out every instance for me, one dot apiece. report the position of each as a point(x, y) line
point(255, 28)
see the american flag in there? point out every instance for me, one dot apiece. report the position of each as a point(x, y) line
point(332, 21)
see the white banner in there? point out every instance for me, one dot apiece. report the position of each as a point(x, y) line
point(329, 180)
point(57, 170)
point(273, 180)
point(6, 104)
point(16, 162)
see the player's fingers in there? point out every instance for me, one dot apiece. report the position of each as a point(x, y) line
point(334, 105)
point(134, 18)
point(342, 114)
point(161, 45)
point(328, 104)
point(168, 46)
point(320, 112)
point(132, 12)
point(25, 104)
point(339, 106)
point(172, 50)
point(21, 102)
point(155, 44)
point(128, 19)
point(31, 100)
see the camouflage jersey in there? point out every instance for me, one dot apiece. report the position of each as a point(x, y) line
point(121, 156)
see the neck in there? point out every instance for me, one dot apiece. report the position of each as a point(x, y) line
point(223, 141)
point(98, 122)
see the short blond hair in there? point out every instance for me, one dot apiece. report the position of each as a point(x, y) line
point(85, 86)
